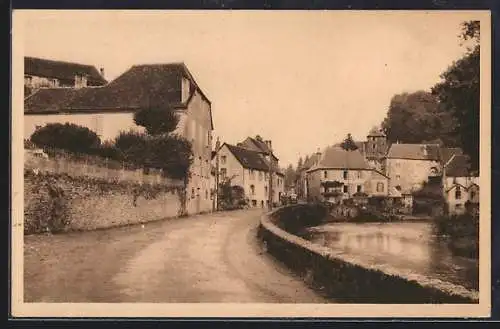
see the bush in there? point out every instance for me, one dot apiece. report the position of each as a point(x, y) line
point(68, 136)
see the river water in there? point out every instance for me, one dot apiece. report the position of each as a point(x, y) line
point(408, 247)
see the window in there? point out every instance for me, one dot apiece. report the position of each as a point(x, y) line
point(325, 173)
point(261, 175)
point(265, 190)
point(252, 189)
point(458, 193)
point(398, 177)
point(373, 146)
point(206, 194)
point(223, 173)
point(192, 193)
point(208, 168)
point(458, 206)
point(360, 174)
point(472, 195)
point(358, 188)
point(345, 189)
point(380, 187)
point(345, 174)
point(252, 174)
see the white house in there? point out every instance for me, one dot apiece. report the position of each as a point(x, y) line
point(250, 170)
point(460, 188)
point(109, 109)
point(339, 174)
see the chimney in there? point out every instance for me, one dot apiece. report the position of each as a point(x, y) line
point(318, 156)
point(101, 70)
point(269, 145)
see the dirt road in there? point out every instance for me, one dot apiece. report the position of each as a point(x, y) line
point(204, 258)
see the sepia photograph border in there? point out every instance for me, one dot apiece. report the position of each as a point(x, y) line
point(219, 310)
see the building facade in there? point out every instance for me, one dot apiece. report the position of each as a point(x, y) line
point(409, 166)
point(109, 109)
point(44, 73)
point(250, 170)
point(460, 189)
point(339, 174)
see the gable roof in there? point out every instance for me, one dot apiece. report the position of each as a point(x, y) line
point(414, 152)
point(62, 70)
point(257, 145)
point(448, 152)
point(49, 100)
point(249, 159)
point(139, 87)
point(338, 158)
point(458, 166)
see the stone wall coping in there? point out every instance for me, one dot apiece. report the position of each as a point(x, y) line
point(325, 252)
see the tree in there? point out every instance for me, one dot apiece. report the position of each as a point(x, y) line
point(156, 120)
point(300, 164)
point(173, 154)
point(290, 176)
point(416, 118)
point(459, 91)
point(161, 148)
point(69, 137)
point(133, 147)
point(348, 144)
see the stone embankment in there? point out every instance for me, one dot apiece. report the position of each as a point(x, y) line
point(342, 277)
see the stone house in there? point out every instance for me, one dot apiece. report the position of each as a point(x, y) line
point(44, 73)
point(339, 174)
point(409, 166)
point(249, 169)
point(109, 109)
point(460, 188)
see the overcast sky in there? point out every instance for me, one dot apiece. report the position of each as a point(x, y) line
point(302, 79)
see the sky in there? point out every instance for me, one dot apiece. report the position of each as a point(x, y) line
point(303, 79)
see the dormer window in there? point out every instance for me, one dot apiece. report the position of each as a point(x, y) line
point(80, 81)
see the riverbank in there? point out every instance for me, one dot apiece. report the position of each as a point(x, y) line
point(351, 279)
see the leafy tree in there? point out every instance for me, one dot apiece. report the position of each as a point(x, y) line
point(348, 144)
point(290, 176)
point(68, 136)
point(133, 147)
point(300, 164)
point(156, 120)
point(173, 154)
point(458, 93)
point(417, 117)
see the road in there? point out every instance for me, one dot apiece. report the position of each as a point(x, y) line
point(203, 258)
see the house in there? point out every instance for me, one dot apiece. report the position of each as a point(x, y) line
point(110, 108)
point(44, 73)
point(301, 182)
point(249, 169)
point(409, 166)
point(460, 188)
point(339, 174)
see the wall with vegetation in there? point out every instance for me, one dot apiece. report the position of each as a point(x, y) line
point(58, 202)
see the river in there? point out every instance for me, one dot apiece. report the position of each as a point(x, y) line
point(407, 247)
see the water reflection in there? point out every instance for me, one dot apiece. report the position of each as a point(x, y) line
point(407, 247)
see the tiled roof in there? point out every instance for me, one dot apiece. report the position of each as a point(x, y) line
point(338, 158)
point(139, 87)
point(458, 166)
point(414, 151)
point(62, 70)
point(249, 159)
point(448, 152)
point(47, 100)
point(257, 145)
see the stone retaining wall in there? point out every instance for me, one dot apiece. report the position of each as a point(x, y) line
point(59, 202)
point(343, 279)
